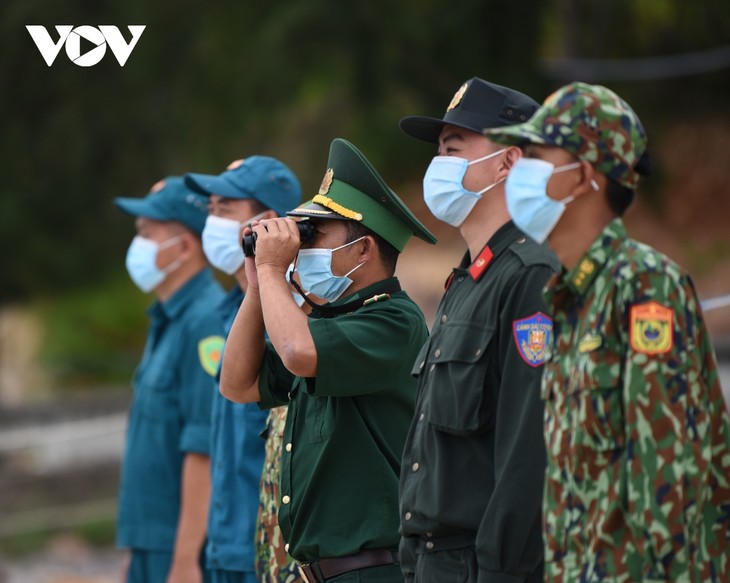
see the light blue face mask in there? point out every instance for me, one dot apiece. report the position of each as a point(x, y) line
point(314, 267)
point(222, 242)
point(443, 188)
point(532, 210)
point(142, 262)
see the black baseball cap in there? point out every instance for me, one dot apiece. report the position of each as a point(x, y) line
point(476, 106)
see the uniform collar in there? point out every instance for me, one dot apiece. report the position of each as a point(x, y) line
point(579, 279)
point(188, 292)
point(497, 244)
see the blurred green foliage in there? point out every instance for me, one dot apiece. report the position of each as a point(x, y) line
point(210, 82)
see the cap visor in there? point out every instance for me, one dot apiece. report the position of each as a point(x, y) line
point(140, 207)
point(208, 184)
point(515, 135)
point(314, 211)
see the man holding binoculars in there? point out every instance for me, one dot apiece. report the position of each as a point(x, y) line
point(344, 370)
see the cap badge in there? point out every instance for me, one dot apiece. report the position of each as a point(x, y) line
point(158, 186)
point(324, 188)
point(235, 164)
point(457, 97)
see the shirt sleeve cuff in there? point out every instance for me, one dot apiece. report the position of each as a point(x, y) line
point(195, 439)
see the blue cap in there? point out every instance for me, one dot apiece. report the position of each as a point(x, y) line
point(169, 200)
point(265, 179)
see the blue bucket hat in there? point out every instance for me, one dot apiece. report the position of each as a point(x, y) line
point(262, 178)
point(169, 200)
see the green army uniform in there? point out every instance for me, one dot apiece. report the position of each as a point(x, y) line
point(346, 427)
point(273, 563)
point(638, 437)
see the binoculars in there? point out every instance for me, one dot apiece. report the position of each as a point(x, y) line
point(306, 233)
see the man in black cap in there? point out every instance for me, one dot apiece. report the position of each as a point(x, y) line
point(473, 465)
point(344, 371)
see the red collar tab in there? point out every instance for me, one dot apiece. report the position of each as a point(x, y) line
point(477, 269)
point(447, 283)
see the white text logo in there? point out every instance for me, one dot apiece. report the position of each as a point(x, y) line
point(98, 37)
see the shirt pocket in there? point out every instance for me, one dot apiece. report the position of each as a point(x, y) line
point(596, 403)
point(457, 367)
point(155, 394)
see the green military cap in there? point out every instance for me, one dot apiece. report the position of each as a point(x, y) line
point(353, 189)
point(590, 121)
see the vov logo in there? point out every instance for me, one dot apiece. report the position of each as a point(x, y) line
point(96, 39)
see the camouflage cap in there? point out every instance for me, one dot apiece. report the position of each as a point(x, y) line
point(590, 121)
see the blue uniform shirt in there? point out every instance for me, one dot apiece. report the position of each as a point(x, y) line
point(237, 458)
point(170, 414)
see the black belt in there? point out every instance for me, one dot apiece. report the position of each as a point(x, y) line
point(325, 569)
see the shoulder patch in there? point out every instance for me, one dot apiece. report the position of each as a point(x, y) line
point(532, 336)
point(650, 328)
point(210, 351)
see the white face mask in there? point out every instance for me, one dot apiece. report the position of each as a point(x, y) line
point(443, 188)
point(222, 242)
point(314, 267)
point(142, 262)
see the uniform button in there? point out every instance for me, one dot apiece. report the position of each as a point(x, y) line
point(429, 534)
point(444, 318)
point(286, 499)
point(433, 366)
point(286, 547)
point(429, 545)
point(437, 353)
point(478, 352)
point(461, 278)
point(288, 447)
point(421, 416)
point(415, 466)
point(408, 516)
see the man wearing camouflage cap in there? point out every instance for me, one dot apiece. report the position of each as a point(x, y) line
point(344, 371)
point(638, 437)
point(474, 461)
point(165, 482)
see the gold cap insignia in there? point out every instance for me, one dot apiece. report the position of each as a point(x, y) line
point(235, 164)
point(158, 186)
point(324, 188)
point(457, 97)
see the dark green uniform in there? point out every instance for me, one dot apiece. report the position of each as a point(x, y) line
point(345, 431)
point(471, 484)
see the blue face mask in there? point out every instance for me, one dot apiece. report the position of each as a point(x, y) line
point(444, 192)
point(532, 210)
point(222, 242)
point(314, 267)
point(142, 262)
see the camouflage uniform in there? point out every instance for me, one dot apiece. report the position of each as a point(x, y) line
point(273, 564)
point(638, 477)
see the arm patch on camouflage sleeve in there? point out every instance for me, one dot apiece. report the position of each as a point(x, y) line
point(210, 350)
point(650, 328)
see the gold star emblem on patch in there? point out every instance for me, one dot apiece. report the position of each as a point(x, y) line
point(324, 188)
point(457, 97)
point(480, 262)
point(235, 164)
point(158, 186)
